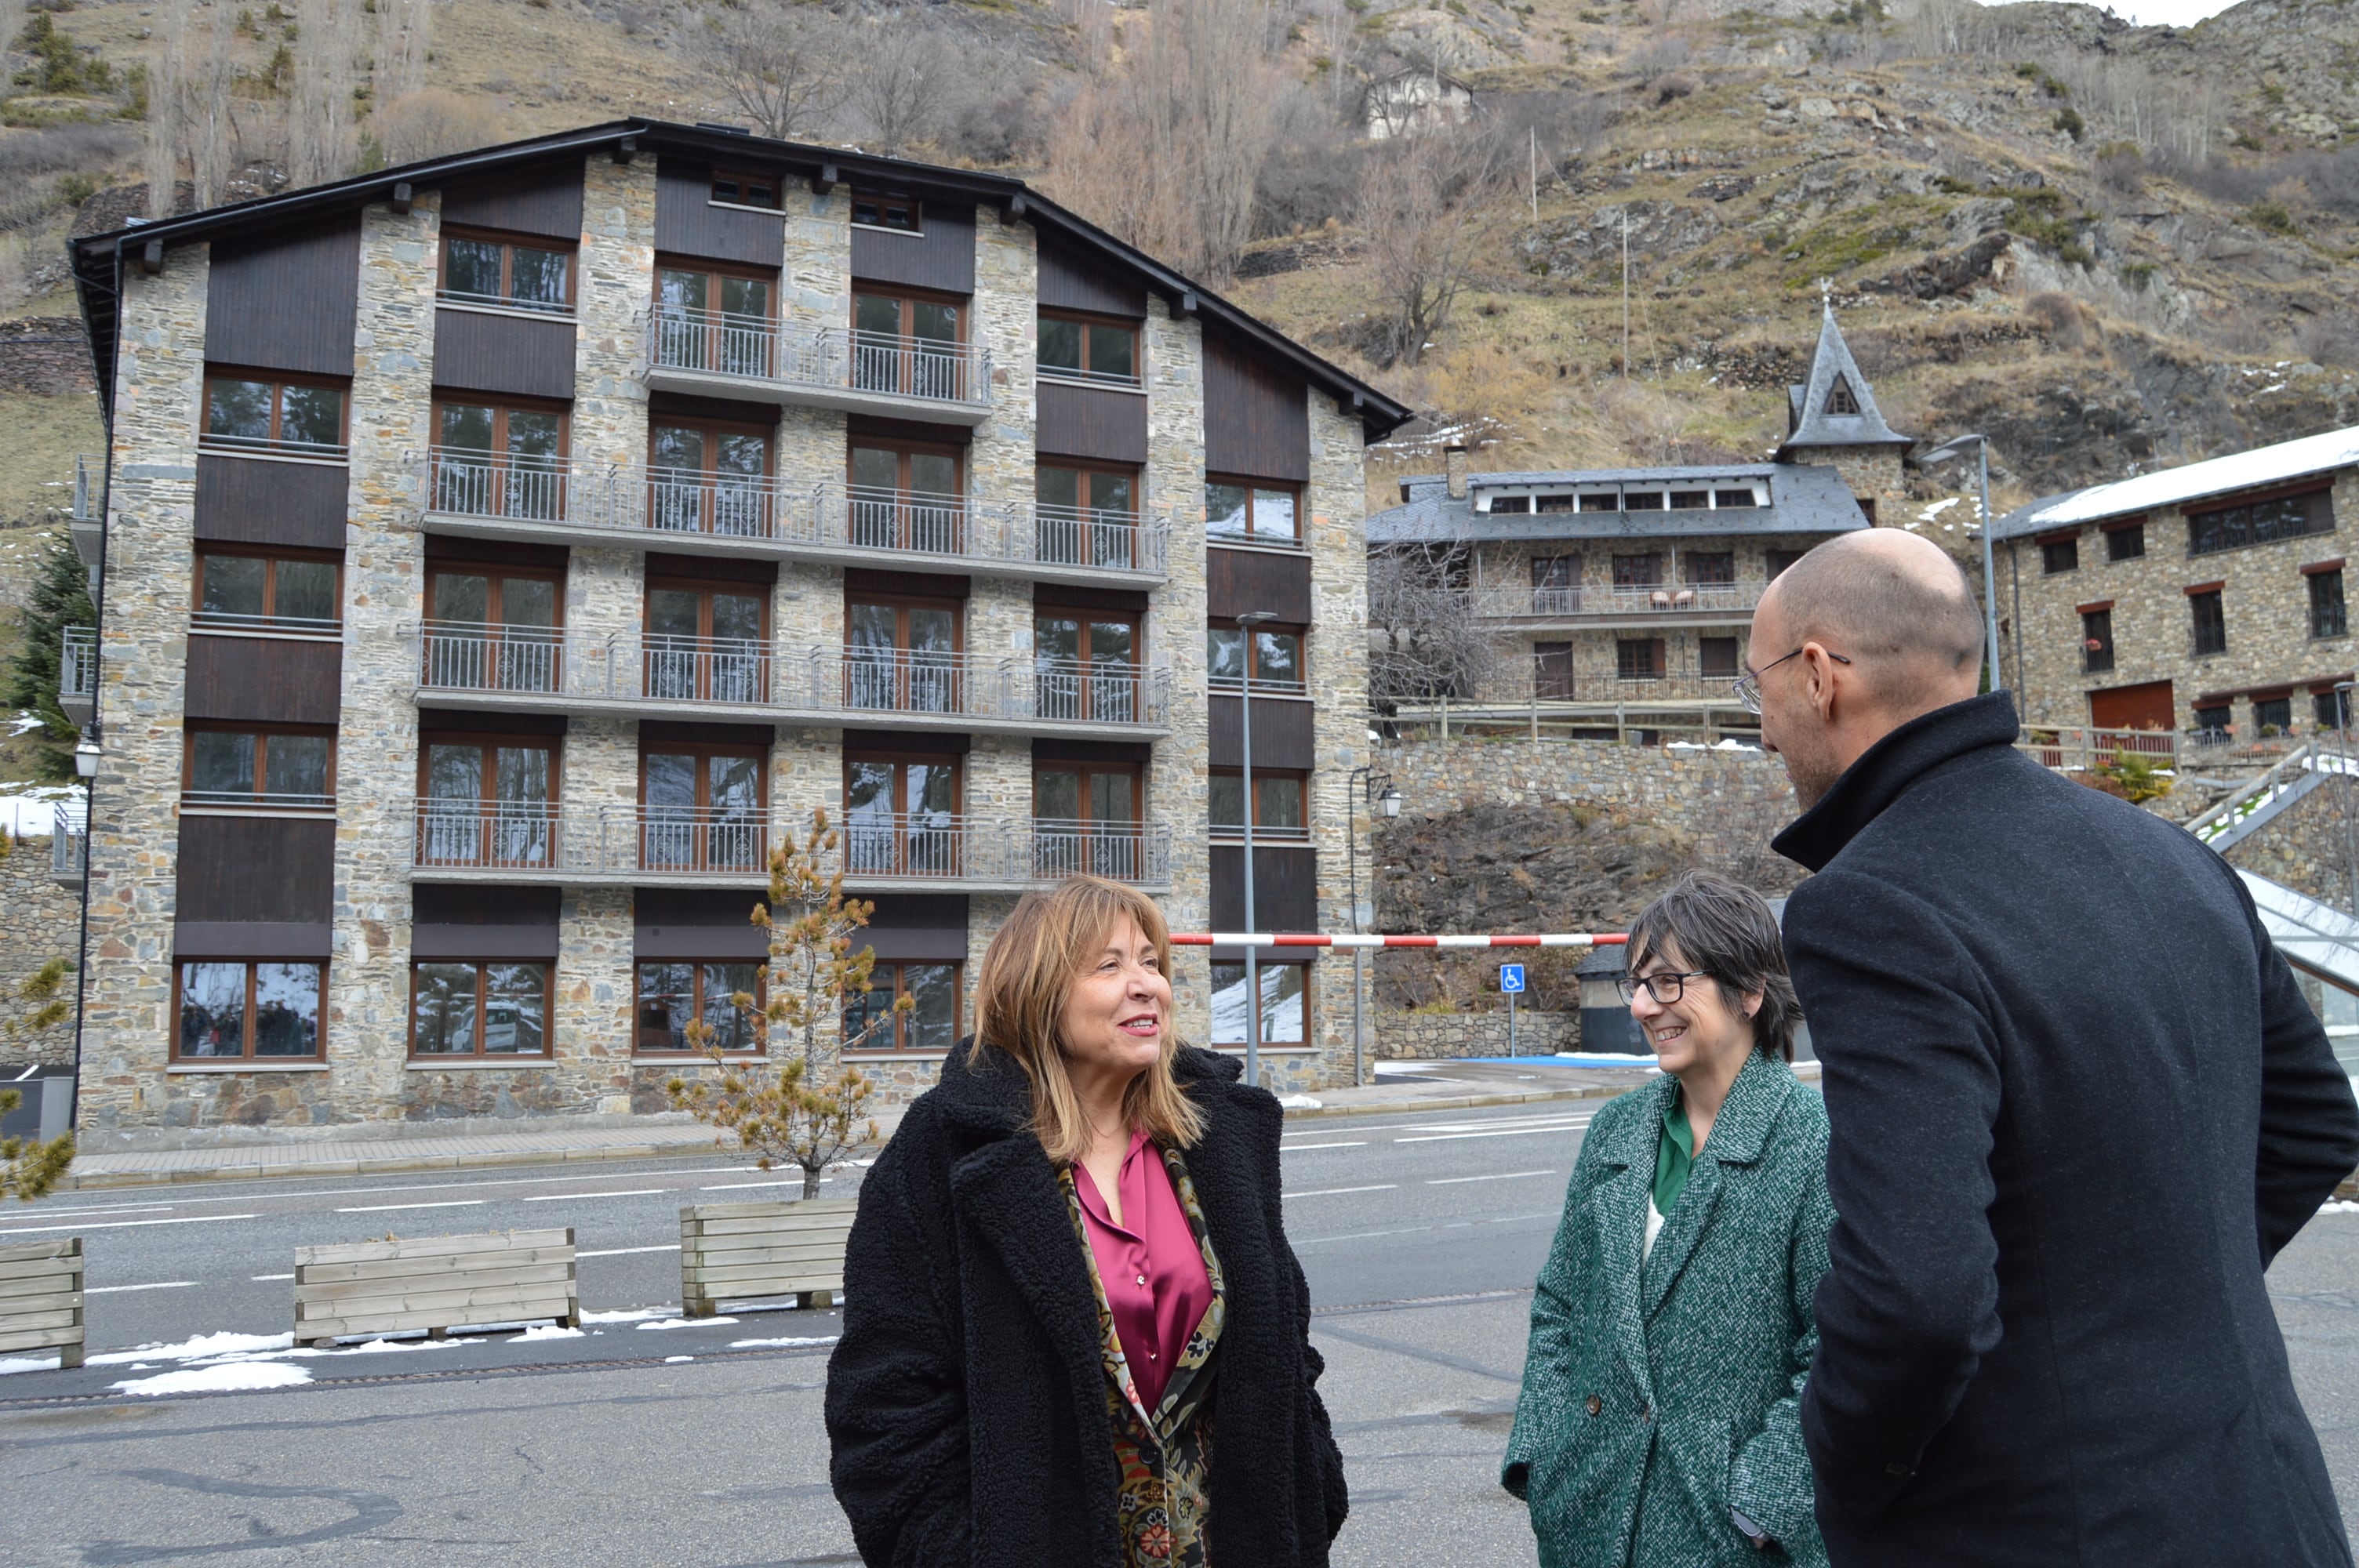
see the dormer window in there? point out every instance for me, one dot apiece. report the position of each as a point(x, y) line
point(1727, 498)
point(739, 187)
point(1840, 399)
point(1515, 503)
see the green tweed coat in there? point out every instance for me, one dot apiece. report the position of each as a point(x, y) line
point(1656, 1396)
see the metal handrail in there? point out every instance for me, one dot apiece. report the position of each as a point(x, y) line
point(223, 620)
point(1507, 600)
point(275, 800)
point(837, 359)
point(82, 510)
point(470, 481)
point(69, 839)
point(245, 446)
point(78, 663)
point(1086, 536)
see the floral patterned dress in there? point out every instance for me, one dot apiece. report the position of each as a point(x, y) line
point(1166, 1454)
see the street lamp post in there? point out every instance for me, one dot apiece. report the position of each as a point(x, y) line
point(1941, 454)
point(1245, 624)
point(1386, 805)
point(2344, 695)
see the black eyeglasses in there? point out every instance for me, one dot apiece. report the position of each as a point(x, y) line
point(1665, 988)
point(1748, 685)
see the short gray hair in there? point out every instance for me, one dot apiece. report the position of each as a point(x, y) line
point(1725, 930)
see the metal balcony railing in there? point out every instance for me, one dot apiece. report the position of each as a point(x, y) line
point(78, 666)
point(1123, 851)
point(652, 668)
point(830, 359)
point(69, 842)
point(1508, 600)
point(490, 834)
point(85, 492)
point(1087, 537)
point(528, 487)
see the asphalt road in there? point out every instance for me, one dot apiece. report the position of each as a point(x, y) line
point(700, 1444)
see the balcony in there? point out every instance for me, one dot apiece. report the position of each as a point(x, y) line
point(530, 841)
point(717, 355)
point(88, 522)
point(78, 675)
point(1672, 604)
point(1585, 700)
point(558, 501)
point(69, 843)
point(644, 675)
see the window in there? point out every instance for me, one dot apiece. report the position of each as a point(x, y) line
point(492, 630)
point(478, 1010)
point(483, 270)
point(1518, 505)
point(293, 418)
point(743, 187)
point(931, 1022)
point(239, 592)
point(1724, 499)
point(1089, 350)
point(1709, 566)
point(1552, 672)
point(1277, 803)
point(906, 496)
point(715, 318)
point(1638, 658)
point(1840, 399)
point(1245, 509)
point(901, 816)
point(1552, 503)
point(2260, 523)
point(703, 808)
point(486, 801)
point(1642, 500)
point(2213, 721)
point(903, 653)
point(2331, 709)
point(678, 1002)
point(2125, 544)
point(2059, 555)
point(1276, 658)
point(248, 766)
point(2327, 615)
point(1691, 500)
point(1556, 584)
point(2210, 623)
point(707, 478)
point(1085, 818)
point(1594, 501)
point(2273, 715)
point(498, 460)
point(887, 209)
point(1716, 658)
point(909, 344)
point(1087, 665)
point(1777, 561)
point(1285, 990)
point(241, 1010)
point(707, 643)
point(1638, 571)
point(2096, 641)
point(1086, 517)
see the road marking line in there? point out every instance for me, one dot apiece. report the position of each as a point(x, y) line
point(389, 1207)
point(266, 1279)
point(1298, 1148)
point(1502, 1176)
point(124, 1224)
point(1331, 1191)
point(733, 1186)
point(160, 1285)
point(563, 1198)
point(625, 1251)
point(111, 1208)
point(1413, 1229)
point(1517, 1132)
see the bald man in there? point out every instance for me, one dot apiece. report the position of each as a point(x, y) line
point(2078, 1105)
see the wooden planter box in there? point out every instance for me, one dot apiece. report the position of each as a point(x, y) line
point(739, 1251)
point(40, 1298)
point(435, 1283)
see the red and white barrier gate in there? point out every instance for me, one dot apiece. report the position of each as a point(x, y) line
point(1275, 939)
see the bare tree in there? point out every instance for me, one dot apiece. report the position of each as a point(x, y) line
point(901, 85)
point(433, 120)
point(1418, 207)
point(321, 142)
point(1425, 641)
point(778, 66)
point(189, 105)
point(404, 37)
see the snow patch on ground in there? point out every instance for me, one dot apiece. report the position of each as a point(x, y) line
point(1297, 1102)
point(227, 1376)
point(686, 1322)
point(546, 1330)
point(204, 1346)
point(2336, 1205)
point(15, 1364)
point(789, 1343)
point(633, 1316)
point(670, 1360)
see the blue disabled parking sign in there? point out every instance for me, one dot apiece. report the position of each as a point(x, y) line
point(1511, 978)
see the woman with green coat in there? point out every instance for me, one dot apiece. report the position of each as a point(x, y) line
point(1658, 1425)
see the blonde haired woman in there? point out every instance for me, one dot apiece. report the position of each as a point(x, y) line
point(1073, 1331)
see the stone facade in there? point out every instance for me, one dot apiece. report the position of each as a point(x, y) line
point(1402, 1035)
point(2265, 599)
point(1875, 475)
point(38, 920)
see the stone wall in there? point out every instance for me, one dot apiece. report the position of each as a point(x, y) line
point(1400, 1034)
point(46, 355)
point(2307, 847)
point(38, 920)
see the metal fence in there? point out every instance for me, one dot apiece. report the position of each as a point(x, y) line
point(78, 665)
point(69, 841)
point(830, 358)
point(1503, 601)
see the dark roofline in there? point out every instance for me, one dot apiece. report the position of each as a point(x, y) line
point(97, 259)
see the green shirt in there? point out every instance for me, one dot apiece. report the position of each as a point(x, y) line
point(1674, 1155)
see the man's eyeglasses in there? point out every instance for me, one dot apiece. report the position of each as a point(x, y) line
point(1666, 987)
point(1748, 685)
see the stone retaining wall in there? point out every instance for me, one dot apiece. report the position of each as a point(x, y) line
point(1429, 1036)
point(38, 920)
point(46, 355)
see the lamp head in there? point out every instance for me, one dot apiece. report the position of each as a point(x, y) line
point(1956, 448)
point(85, 755)
point(1388, 803)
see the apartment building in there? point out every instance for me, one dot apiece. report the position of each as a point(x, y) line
point(2205, 600)
point(500, 553)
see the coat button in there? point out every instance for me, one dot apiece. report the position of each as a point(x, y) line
point(1142, 1279)
point(1595, 1404)
point(1896, 1469)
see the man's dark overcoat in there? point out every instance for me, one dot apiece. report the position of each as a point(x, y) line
point(2077, 1106)
point(966, 1403)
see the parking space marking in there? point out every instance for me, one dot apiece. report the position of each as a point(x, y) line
point(390, 1208)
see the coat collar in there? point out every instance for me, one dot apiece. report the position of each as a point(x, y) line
point(1889, 767)
point(1754, 1100)
point(986, 1092)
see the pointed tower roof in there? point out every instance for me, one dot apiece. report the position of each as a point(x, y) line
point(1836, 407)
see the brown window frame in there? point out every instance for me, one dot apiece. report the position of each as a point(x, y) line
point(537, 663)
point(1690, 578)
point(271, 556)
point(1086, 471)
point(2328, 614)
point(882, 199)
point(909, 299)
point(1303, 973)
point(2126, 542)
point(760, 994)
point(704, 752)
point(897, 1026)
point(706, 645)
point(502, 404)
point(262, 799)
point(744, 176)
point(664, 510)
point(935, 527)
point(1085, 672)
point(482, 967)
point(2097, 626)
point(1736, 653)
point(1261, 683)
point(1297, 540)
point(1135, 772)
point(509, 242)
point(1661, 661)
point(499, 573)
point(943, 861)
point(501, 460)
point(274, 445)
point(1224, 831)
point(1133, 378)
point(2209, 612)
point(252, 980)
point(903, 661)
point(1553, 683)
point(1630, 581)
point(486, 856)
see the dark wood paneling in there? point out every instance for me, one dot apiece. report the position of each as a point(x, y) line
point(254, 501)
point(917, 927)
point(1069, 283)
point(919, 585)
point(1256, 416)
point(1239, 581)
point(269, 868)
point(712, 569)
point(457, 722)
point(907, 430)
point(265, 680)
point(545, 201)
point(1282, 733)
point(1090, 422)
point(475, 350)
point(479, 943)
point(656, 731)
point(688, 224)
point(680, 405)
point(1286, 888)
point(1049, 749)
point(696, 923)
point(286, 300)
point(941, 258)
point(902, 740)
point(441, 548)
point(1065, 596)
point(252, 939)
point(478, 921)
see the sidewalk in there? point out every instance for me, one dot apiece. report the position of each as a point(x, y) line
point(1411, 1086)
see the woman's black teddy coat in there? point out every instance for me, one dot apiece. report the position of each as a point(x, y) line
point(965, 1404)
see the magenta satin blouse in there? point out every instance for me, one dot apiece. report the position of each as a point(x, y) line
point(1152, 1268)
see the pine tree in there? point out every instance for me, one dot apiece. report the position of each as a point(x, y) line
point(60, 599)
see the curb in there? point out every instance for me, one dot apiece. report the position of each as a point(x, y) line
point(1458, 1102)
point(287, 1171)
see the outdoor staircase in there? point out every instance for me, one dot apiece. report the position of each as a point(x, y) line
point(2255, 803)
